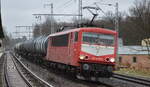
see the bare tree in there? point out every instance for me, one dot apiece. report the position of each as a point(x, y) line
point(36, 31)
point(140, 19)
point(45, 28)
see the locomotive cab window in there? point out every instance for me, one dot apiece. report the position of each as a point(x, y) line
point(98, 38)
point(61, 40)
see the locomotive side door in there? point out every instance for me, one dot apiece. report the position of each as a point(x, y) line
point(70, 54)
point(75, 48)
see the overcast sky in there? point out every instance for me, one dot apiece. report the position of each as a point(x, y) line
point(19, 12)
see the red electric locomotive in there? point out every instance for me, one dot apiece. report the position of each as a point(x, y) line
point(87, 51)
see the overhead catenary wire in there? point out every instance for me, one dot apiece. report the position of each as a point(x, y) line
point(64, 5)
point(100, 8)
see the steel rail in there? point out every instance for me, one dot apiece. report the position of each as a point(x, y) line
point(132, 79)
point(7, 81)
point(33, 74)
point(20, 73)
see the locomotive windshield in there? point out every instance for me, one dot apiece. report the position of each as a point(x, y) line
point(97, 44)
point(98, 38)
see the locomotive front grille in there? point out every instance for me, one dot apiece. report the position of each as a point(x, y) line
point(96, 67)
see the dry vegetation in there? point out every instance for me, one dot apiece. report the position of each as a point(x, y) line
point(135, 72)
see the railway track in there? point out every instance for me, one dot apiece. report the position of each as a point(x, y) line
point(30, 75)
point(18, 75)
point(7, 82)
point(55, 76)
point(13, 77)
point(132, 79)
point(111, 82)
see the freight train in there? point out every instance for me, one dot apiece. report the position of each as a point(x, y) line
point(85, 51)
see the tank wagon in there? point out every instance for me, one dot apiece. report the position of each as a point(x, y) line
point(85, 51)
point(35, 47)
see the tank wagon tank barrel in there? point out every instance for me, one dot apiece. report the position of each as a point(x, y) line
point(37, 45)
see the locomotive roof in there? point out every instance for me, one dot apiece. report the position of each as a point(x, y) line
point(85, 29)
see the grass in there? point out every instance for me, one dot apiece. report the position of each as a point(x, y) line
point(134, 72)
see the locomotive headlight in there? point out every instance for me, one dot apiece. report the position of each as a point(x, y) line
point(112, 60)
point(82, 57)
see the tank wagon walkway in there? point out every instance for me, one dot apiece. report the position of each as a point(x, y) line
point(13, 75)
